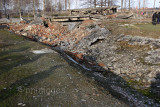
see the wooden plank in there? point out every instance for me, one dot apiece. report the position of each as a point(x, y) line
point(70, 18)
point(60, 20)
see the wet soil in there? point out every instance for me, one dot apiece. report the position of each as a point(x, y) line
point(46, 79)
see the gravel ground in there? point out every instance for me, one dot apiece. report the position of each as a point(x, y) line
point(44, 78)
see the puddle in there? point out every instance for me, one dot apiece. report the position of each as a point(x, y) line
point(43, 51)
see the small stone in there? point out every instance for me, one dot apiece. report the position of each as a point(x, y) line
point(23, 105)
point(28, 28)
point(137, 79)
point(151, 80)
point(24, 34)
point(94, 94)
point(83, 100)
point(118, 71)
point(139, 74)
point(150, 75)
point(19, 104)
point(76, 90)
point(144, 80)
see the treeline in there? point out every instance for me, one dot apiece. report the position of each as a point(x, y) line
point(98, 3)
point(28, 6)
point(33, 6)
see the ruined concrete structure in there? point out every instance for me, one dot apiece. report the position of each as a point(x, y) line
point(98, 10)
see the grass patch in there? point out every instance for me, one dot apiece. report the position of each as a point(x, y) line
point(124, 46)
point(149, 27)
point(146, 92)
point(142, 29)
point(132, 83)
point(26, 16)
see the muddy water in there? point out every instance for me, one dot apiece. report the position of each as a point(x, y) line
point(33, 75)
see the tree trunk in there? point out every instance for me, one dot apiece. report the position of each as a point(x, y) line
point(51, 7)
point(19, 9)
point(33, 6)
point(108, 2)
point(76, 4)
point(65, 4)
point(101, 3)
point(121, 5)
point(69, 4)
point(129, 5)
point(125, 4)
point(105, 3)
point(139, 4)
point(154, 4)
point(44, 7)
point(95, 3)
point(4, 4)
point(144, 4)
point(55, 5)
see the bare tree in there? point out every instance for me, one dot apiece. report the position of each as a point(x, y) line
point(101, 3)
point(55, 5)
point(28, 6)
point(154, 4)
point(105, 3)
point(144, 3)
point(69, 4)
point(44, 7)
point(51, 6)
point(129, 5)
point(5, 4)
point(139, 4)
point(65, 1)
point(19, 9)
point(34, 9)
point(125, 4)
point(121, 5)
point(76, 4)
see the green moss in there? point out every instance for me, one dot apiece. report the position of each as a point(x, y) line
point(132, 83)
point(10, 36)
point(146, 92)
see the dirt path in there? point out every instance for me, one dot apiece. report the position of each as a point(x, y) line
point(42, 79)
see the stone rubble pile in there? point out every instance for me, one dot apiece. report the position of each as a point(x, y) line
point(134, 58)
point(74, 38)
point(131, 57)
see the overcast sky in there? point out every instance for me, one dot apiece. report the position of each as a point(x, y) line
point(149, 3)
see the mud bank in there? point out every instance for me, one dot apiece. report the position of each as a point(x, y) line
point(92, 47)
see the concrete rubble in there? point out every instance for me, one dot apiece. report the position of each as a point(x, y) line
point(90, 43)
point(73, 38)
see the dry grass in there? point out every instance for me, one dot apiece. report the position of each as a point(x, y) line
point(133, 27)
point(124, 46)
